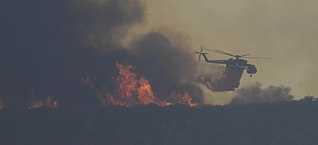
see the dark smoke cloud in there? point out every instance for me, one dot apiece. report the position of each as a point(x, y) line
point(169, 68)
point(105, 22)
point(253, 93)
point(52, 48)
point(44, 50)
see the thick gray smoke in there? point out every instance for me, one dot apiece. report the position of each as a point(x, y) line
point(67, 49)
point(253, 93)
point(49, 47)
point(104, 22)
point(168, 67)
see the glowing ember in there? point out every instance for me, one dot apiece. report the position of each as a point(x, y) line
point(38, 103)
point(2, 105)
point(113, 101)
point(35, 104)
point(51, 103)
point(184, 99)
point(131, 91)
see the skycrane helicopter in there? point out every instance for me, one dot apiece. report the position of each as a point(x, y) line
point(235, 62)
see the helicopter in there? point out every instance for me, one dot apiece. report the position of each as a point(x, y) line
point(236, 61)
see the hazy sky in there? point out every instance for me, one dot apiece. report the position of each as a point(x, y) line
point(285, 30)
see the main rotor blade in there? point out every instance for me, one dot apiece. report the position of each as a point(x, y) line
point(220, 52)
point(244, 55)
point(225, 53)
point(251, 57)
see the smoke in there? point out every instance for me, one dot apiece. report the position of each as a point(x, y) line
point(105, 22)
point(253, 93)
point(49, 46)
point(169, 68)
point(67, 49)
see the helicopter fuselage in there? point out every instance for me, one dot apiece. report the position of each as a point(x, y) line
point(234, 63)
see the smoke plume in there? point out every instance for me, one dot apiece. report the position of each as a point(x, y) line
point(48, 46)
point(253, 93)
point(167, 67)
point(103, 23)
point(67, 49)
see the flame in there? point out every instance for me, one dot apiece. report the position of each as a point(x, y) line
point(38, 103)
point(131, 91)
point(126, 80)
point(145, 94)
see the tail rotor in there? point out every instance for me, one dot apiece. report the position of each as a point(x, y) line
point(200, 53)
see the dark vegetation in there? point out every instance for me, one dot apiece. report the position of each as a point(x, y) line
point(280, 123)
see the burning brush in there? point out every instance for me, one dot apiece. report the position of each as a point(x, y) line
point(132, 91)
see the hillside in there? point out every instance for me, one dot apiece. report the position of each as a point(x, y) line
point(289, 123)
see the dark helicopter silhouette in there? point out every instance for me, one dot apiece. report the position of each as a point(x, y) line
point(235, 62)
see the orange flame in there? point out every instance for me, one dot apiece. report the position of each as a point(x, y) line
point(131, 91)
point(146, 96)
point(126, 80)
